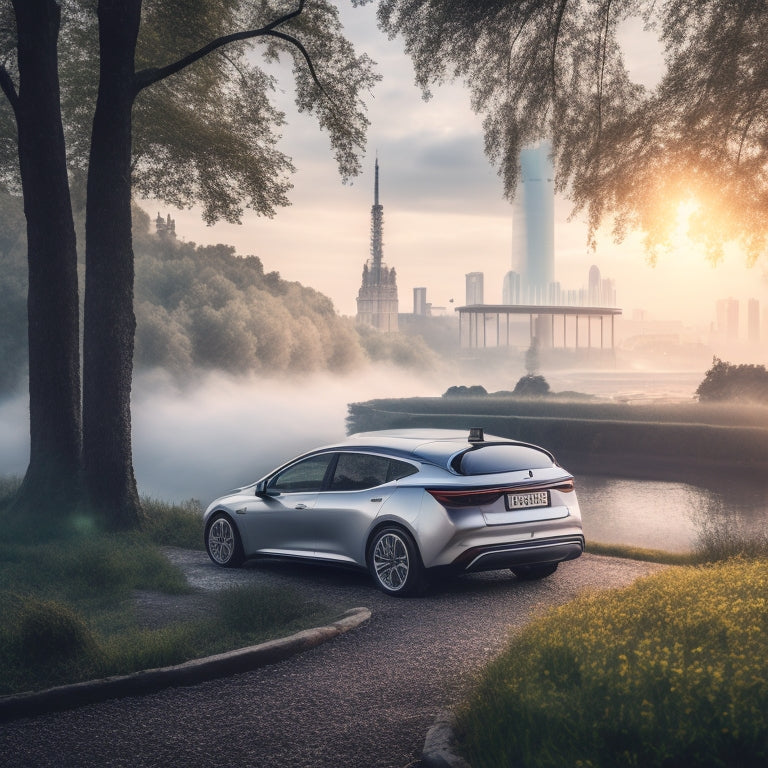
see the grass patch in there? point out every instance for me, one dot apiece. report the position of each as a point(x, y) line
point(8, 487)
point(641, 553)
point(69, 609)
point(174, 525)
point(672, 671)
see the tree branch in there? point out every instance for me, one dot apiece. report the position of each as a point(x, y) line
point(147, 77)
point(555, 38)
point(8, 87)
point(601, 76)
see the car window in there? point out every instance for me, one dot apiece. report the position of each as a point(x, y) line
point(306, 475)
point(357, 471)
point(488, 459)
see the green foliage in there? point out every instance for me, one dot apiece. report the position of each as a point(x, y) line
point(668, 672)
point(531, 386)
point(727, 382)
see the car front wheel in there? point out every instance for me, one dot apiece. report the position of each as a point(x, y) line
point(395, 564)
point(222, 542)
point(532, 572)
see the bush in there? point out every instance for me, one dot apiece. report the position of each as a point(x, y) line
point(671, 671)
point(725, 381)
point(51, 634)
point(531, 386)
point(461, 391)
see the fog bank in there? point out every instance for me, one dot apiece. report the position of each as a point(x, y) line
point(199, 440)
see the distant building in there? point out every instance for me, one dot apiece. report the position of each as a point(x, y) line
point(727, 312)
point(753, 321)
point(420, 305)
point(377, 303)
point(166, 228)
point(475, 288)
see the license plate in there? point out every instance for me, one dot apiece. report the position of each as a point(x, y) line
point(527, 500)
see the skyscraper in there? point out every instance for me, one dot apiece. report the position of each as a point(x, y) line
point(533, 222)
point(377, 303)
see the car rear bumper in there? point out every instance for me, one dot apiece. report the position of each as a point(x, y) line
point(494, 557)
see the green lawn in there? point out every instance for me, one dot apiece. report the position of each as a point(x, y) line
point(69, 612)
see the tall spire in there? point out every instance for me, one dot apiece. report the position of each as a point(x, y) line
point(377, 303)
point(377, 221)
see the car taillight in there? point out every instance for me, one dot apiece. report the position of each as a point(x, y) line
point(465, 498)
point(483, 496)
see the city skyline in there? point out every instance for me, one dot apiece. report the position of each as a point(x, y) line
point(446, 215)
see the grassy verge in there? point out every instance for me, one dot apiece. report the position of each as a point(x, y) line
point(672, 671)
point(69, 611)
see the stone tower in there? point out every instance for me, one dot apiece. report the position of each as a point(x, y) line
point(377, 304)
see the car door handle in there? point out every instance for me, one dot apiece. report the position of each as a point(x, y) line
point(300, 506)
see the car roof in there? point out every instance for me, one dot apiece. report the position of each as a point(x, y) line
point(433, 445)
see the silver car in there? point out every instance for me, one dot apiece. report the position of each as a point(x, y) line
point(405, 505)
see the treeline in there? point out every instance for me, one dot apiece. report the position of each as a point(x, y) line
point(204, 307)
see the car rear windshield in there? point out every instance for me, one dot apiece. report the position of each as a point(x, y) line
point(490, 459)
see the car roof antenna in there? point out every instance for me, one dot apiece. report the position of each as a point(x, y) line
point(476, 435)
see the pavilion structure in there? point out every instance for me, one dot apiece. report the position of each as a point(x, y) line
point(484, 326)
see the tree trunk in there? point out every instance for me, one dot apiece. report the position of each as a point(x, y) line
point(52, 478)
point(109, 321)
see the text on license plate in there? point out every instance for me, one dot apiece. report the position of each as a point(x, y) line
point(527, 500)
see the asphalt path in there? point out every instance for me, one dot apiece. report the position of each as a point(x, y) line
point(366, 698)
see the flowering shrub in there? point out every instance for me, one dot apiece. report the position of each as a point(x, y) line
point(671, 671)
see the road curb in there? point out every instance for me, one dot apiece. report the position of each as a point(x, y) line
point(440, 745)
point(188, 673)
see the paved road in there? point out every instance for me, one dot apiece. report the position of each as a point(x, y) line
point(364, 699)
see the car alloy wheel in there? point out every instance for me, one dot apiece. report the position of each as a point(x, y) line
point(223, 542)
point(395, 563)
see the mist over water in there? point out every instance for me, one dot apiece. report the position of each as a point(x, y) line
point(218, 432)
point(199, 442)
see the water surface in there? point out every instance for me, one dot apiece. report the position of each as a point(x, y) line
point(669, 515)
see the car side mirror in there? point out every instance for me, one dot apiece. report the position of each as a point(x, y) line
point(261, 490)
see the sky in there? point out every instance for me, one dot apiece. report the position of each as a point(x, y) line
point(444, 211)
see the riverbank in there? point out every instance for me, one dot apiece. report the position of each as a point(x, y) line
point(680, 441)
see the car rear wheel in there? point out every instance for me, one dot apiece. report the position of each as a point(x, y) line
point(533, 572)
point(222, 542)
point(395, 564)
